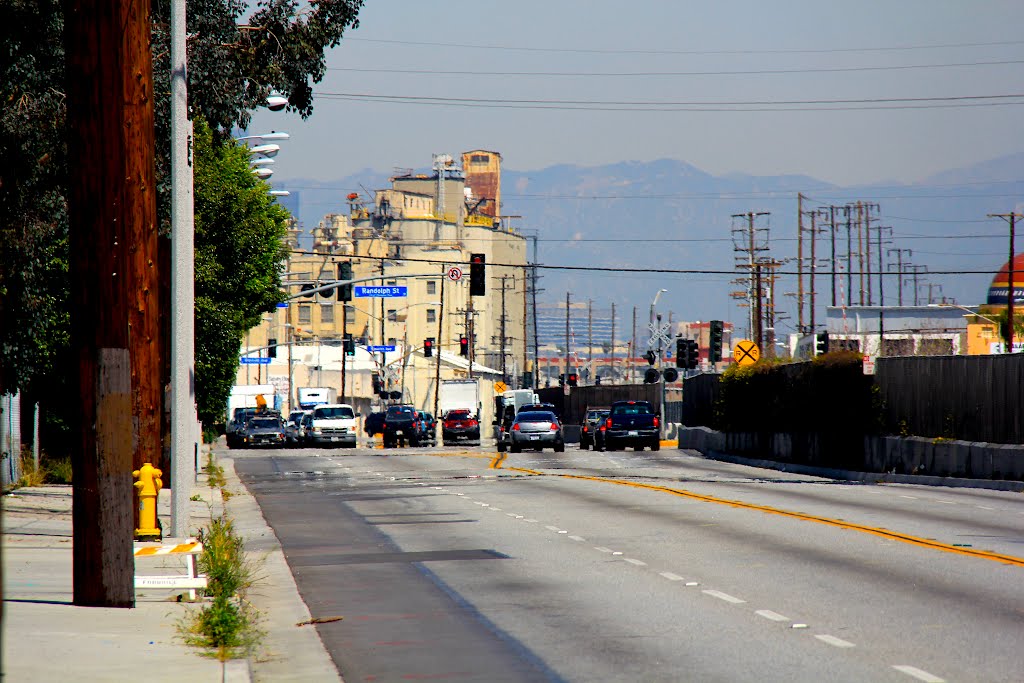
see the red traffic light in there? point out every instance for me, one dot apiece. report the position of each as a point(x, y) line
point(464, 346)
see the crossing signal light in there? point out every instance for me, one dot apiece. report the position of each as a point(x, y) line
point(670, 375)
point(651, 376)
point(574, 379)
point(349, 345)
point(464, 346)
point(651, 357)
point(428, 347)
point(271, 348)
point(716, 332)
point(477, 275)
point(345, 273)
point(821, 343)
point(378, 385)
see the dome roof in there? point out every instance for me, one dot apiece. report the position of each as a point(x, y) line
point(1000, 283)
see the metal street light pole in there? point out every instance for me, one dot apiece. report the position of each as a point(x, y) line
point(656, 329)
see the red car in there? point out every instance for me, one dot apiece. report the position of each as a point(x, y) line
point(460, 426)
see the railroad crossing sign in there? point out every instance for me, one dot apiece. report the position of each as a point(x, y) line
point(746, 352)
point(500, 387)
point(455, 273)
point(659, 333)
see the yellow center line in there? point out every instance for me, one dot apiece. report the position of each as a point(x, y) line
point(875, 531)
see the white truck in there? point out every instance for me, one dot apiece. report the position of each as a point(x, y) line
point(463, 394)
point(243, 402)
point(332, 424)
point(310, 397)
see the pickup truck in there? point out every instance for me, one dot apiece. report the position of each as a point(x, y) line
point(401, 426)
point(630, 423)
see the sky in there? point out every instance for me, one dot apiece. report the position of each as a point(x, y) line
point(401, 48)
point(848, 93)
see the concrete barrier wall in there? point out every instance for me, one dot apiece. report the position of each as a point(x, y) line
point(893, 454)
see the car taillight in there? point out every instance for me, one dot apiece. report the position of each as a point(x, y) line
point(655, 421)
point(554, 426)
point(473, 423)
point(383, 425)
point(608, 423)
point(515, 427)
point(585, 428)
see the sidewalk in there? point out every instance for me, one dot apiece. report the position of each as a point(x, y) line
point(46, 638)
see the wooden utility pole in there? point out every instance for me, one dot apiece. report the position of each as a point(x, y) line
point(114, 323)
point(613, 341)
point(1010, 218)
point(439, 344)
point(632, 350)
point(899, 270)
point(800, 264)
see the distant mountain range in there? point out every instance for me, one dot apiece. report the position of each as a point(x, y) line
point(668, 214)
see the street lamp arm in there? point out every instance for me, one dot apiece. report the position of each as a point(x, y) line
point(334, 284)
point(964, 308)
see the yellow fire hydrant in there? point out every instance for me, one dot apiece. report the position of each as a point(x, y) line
point(148, 484)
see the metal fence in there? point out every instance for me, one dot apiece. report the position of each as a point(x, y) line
point(972, 398)
point(572, 408)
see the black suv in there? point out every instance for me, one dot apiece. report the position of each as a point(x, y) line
point(402, 426)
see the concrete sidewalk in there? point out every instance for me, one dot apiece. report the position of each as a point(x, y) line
point(46, 638)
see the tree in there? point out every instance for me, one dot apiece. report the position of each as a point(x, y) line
point(233, 66)
point(240, 248)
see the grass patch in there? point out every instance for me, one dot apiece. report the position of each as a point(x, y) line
point(50, 470)
point(228, 626)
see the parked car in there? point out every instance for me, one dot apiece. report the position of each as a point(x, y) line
point(236, 426)
point(460, 426)
point(428, 424)
point(374, 423)
point(593, 422)
point(293, 431)
point(264, 431)
point(630, 423)
point(402, 426)
point(537, 429)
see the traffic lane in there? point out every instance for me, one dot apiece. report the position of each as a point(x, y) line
point(591, 614)
point(892, 599)
point(397, 623)
point(980, 518)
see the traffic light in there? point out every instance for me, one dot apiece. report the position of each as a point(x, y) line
point(271, 348)
point(378, 385)
point(428, 347)
point(306, 288)
point(597, 381)
point(574, 379)
point(561, 379)
point(716, 331)
point(345, 273)
point(349, 345)
point(692, 355)
point(681, 352)
point(477, 275)
point(464, 346)
point(651, 376)
point(651, 357)
point(821, 343)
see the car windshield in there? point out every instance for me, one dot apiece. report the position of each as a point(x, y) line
point(633, 409)
point(596, 414)
point(537, 416)
point(399, 411)
point(340, 411)
point(265, 423)
point(458, 415)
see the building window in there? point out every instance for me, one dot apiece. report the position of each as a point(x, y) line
point(431, 315)
point(350, 315)
point(431, 287)
point(392, 315)
point(479, 158)
point(305, 314)
point(327, 313)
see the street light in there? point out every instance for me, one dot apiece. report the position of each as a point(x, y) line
point(972, 312)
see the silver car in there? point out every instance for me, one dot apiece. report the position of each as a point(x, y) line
point(537, 429)
point(294, 432)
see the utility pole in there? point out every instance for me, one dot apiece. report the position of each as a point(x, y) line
point(867, 236)
point(899, 270)
point(632, 350)
point(504, 374)
point(590, 339)
point(440, 341)
point(1011, 290)
point(800, 265)
point(566, 340)
point(613, 341)
point(848, 210)
point(746, 244)
point(835, 265)
point(814, 265)
point(917, 270)
point(860, 247)
point(114, 331)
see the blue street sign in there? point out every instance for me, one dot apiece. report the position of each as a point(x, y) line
point(381, 349)
point(385, 292)
point(282, 304)
point(254, 360)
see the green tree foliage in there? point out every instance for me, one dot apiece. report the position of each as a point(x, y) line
point(240, 247)
point(233, 65)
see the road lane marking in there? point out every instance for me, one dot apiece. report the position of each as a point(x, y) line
point(495, 509)
point(531, 521)
point(768, 614)
point(577, 538)
point(982, 507)
point(875, 531)
point(919, 674)
point(832, 640)
point(910, 497)
point(724, 596)
point(551, 528)
point(670, 576)
point(512, 514)
point(602, 549)
point(616, 552)
point(639, 563)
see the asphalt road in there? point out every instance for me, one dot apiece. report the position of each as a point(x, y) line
point(463, 565)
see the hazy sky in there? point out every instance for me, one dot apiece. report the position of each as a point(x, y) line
point(537, 81)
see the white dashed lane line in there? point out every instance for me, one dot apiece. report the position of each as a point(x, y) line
point(638, 563)
point(832, 640)
point(577, 538)
point(770, 615)
point(918, 673)
point(602, 549)
point(670, 576)
point(724, 596)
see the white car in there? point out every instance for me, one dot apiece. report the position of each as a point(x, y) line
point(332, 424)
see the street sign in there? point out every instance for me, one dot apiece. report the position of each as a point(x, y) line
point(455, 273)
point(385, 292)
point(387, 348)
point(659, 333)
point(254, 360)
point(500, 387)
point(746, 352)
point(869, 365)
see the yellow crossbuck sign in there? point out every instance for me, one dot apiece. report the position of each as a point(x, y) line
point(746, 352)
